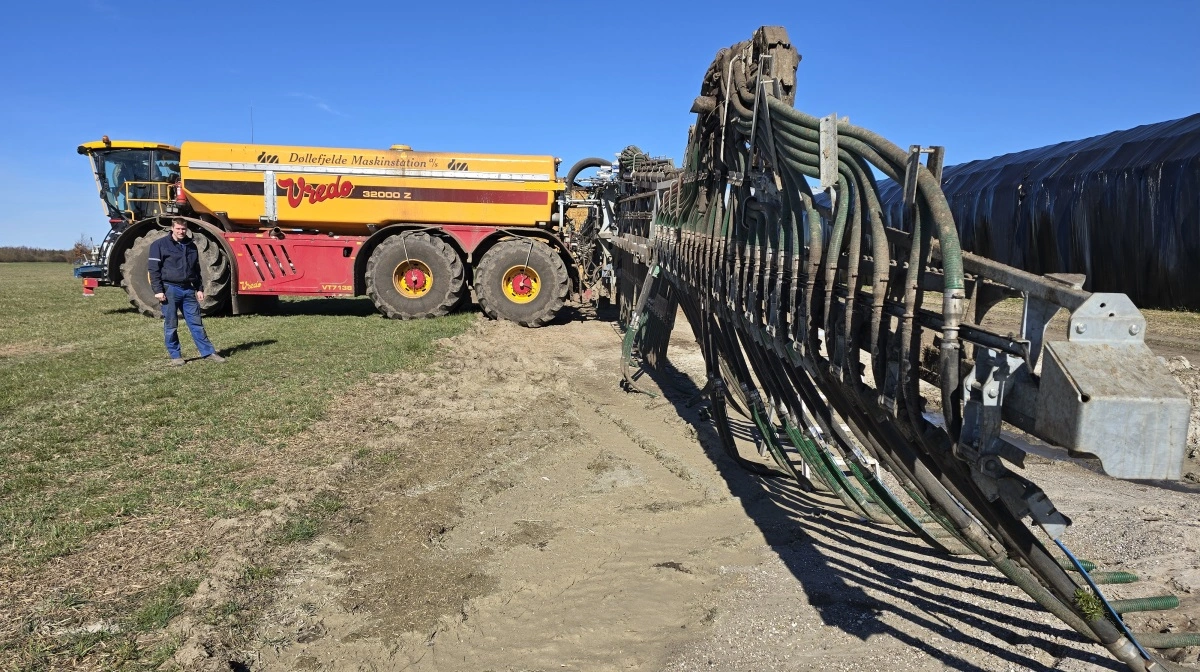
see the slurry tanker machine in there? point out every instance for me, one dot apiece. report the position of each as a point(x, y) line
point(415, 231)
point(849, 344)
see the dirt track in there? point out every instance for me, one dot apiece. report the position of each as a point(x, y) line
point(539, 518)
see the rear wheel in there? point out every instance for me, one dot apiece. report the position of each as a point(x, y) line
point(214, 274)
point(414, 275)
point(521, 280)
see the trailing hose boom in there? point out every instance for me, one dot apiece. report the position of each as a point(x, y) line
point(820, 323)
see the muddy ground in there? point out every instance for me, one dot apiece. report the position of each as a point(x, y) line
point(514, 509)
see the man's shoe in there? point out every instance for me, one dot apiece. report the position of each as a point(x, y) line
point(215, 358)
point(178, 361)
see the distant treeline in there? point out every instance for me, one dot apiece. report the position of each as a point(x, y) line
point(80, 251)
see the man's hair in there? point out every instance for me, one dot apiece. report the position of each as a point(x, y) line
point(178, 220)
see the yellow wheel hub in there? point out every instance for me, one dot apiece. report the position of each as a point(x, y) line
point(412, 279)
point(521, 284)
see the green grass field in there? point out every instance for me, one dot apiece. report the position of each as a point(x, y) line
point(96, 429)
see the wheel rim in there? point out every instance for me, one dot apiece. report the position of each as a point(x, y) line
point(521, 284)
point(412, 279)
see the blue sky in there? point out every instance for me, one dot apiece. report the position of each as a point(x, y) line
point(573, 79)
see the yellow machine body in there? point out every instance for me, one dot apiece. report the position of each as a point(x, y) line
point(354, 191)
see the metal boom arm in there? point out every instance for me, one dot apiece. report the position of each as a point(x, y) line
point(812, 316)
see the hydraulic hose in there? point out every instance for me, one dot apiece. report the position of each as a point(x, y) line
point(879, 246)
point(582, 165)
point(931, 197)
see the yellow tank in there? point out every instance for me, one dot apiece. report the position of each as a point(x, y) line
point(352, 191)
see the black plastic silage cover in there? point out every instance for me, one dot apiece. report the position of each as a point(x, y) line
point(1122, 208)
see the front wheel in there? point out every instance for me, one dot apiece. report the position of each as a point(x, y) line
point(135, 274)
point(521, 280)
point(214, 274)
point(412, 275)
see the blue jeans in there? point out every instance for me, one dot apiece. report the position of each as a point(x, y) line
point(180, 298)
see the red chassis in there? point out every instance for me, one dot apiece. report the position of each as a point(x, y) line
point(306, 264)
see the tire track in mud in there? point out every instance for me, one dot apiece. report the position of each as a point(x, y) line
point(578, 530)
point(668, 461)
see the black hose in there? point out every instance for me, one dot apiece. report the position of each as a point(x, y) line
point(584, 164)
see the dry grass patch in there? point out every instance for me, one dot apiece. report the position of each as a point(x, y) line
point(115, 467)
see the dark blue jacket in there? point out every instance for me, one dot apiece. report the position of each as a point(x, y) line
point(174, 263)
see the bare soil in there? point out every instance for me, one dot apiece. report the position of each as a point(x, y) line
point(514, 509)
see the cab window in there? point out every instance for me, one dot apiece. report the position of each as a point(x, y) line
point(121, 166)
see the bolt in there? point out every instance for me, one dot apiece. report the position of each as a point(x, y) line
point(992, 393)
point(1080, 328)
point(1134, 329)
point(991, 466)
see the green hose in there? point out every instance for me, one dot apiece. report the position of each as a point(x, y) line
point(1114, 577)
point(1087, 565)
point(893, 157)
point(1156, 603)
point(822, 461)
point(1169, 640)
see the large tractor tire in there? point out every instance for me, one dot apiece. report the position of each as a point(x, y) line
point(521, 280)
point(414, 275)
point(214, 273)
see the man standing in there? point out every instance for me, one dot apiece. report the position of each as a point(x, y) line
point(175, 279)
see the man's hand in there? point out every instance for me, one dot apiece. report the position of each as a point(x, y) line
point(162, 298)
point(199, 295)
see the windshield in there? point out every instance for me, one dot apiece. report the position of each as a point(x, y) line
point(119, 166)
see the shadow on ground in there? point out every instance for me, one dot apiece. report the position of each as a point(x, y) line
point(331, 307)
point(798, 525)
point(248, 345)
